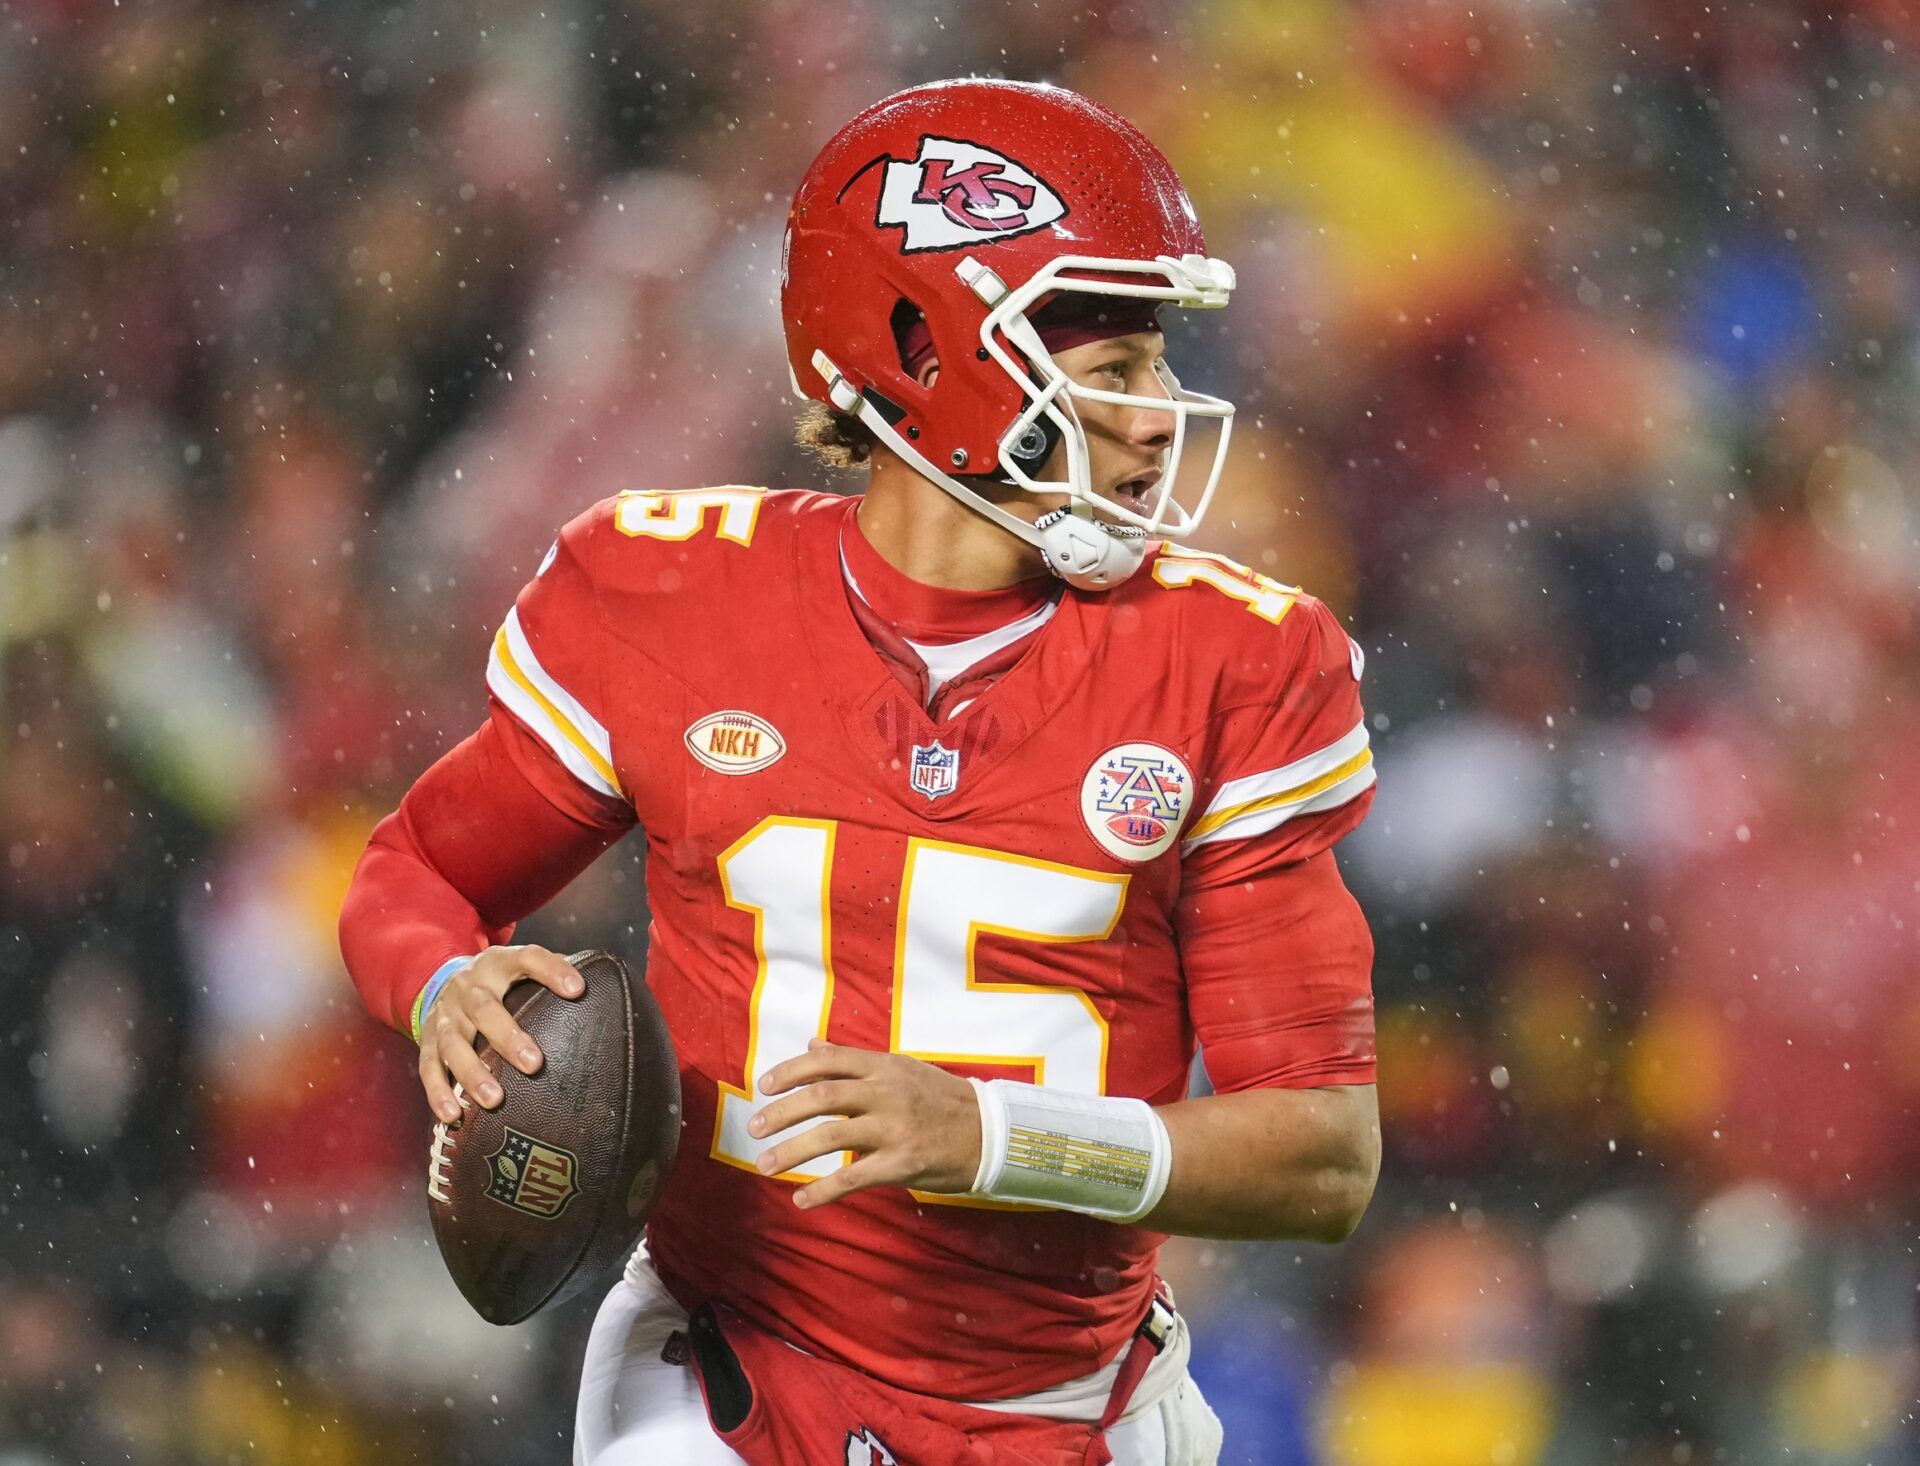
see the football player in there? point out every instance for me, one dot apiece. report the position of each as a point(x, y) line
point(971, 804)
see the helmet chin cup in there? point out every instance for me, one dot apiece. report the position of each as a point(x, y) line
point(1087, 553)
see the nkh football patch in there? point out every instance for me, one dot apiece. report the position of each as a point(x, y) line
point(959, 193)
point(735, 742)
point(1133, 799)
point(935, 769)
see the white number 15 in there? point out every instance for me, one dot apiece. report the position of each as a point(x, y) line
point(950, 896)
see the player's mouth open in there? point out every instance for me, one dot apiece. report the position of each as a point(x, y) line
point(1132, 493)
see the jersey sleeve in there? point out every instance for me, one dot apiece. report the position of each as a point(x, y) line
point(1293, 771)
point(472, 849)
point(1279, 971)
point(1275, 951)
point(544, 680)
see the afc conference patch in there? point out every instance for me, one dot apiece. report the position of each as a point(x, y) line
point(531, 1176)
point(935, 770)
point(1133, 799)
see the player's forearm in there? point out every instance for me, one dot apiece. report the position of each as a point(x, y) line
point(1269, 1164)
point(472, 849)
point(400, 921)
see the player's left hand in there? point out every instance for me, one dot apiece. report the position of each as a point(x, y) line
point(909, 1122)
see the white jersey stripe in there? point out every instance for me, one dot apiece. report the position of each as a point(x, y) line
point(1236, 793)
point(1259, 820)
point(573, 735)
point(583, 722)
point(1260, 802)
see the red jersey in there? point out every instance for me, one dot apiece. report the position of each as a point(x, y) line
point(1049, 886)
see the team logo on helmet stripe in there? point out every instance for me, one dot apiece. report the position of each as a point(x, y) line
point(959, 193)
point(1133, 799)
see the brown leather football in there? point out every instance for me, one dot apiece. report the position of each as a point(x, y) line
point(536, 1199)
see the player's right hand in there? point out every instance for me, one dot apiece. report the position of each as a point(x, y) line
point(469, 1005)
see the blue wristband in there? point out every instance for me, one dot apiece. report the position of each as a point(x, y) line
point(442, 975)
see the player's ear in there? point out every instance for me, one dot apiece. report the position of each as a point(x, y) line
point(928, 374)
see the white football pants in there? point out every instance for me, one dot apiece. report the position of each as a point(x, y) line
point(637, 1410)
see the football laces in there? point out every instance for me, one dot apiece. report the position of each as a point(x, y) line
point(439, 1174)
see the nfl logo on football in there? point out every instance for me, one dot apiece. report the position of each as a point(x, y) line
point(936, 769)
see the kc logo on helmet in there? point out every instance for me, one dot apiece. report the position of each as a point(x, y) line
point(959, 193)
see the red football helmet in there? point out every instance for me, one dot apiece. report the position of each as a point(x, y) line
point(967, 205)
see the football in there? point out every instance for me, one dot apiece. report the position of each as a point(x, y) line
point(535, 1199)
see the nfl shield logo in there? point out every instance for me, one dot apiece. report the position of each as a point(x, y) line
point(531, 1176)
point(936, 769)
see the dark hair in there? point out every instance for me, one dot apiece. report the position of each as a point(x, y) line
point(839, 439)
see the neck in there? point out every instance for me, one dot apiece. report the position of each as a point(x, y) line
point(929, 536)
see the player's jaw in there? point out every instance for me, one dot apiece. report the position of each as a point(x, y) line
point(1128, 486)
point(1127, 445)
point(1126, 455)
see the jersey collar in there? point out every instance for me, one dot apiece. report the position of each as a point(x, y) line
point(883, 719)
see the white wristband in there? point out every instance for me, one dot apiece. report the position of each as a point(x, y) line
point(1109, 1158)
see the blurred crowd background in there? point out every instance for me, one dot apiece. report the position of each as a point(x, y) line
point(1577, 360)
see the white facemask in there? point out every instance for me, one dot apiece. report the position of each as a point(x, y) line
point(1088, 552)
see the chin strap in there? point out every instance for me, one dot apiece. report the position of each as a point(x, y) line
point(1087, 553)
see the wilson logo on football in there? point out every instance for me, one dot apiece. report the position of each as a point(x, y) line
point(1133, 799)
point(958, 193)
point(735, 742)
